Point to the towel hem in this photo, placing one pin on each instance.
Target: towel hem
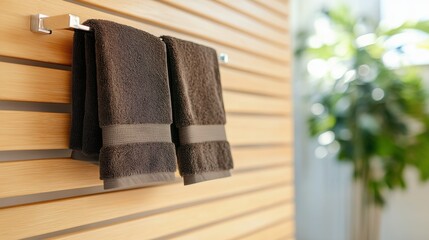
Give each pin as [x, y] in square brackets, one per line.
[205, 176]
[139, 180]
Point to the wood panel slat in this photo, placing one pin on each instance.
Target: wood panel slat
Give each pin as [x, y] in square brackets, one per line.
[263, 15]
[243, 129]
[161, 15]
[17, 41]
[247, 103]
[186, 218]
[210, 9]
[48, 175]
[275, 231]
[38, 84]
[33, 130]
[41, 218]
[28, 83]
[40, 130]
[275, 6]
[237, 227]
[242, 81]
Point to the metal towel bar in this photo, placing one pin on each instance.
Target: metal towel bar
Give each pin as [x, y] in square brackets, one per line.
[40, 23]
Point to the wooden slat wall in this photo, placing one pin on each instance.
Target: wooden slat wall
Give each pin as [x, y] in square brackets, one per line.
[60, 198]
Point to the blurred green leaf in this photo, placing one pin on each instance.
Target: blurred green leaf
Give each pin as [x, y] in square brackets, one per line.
[376, 113]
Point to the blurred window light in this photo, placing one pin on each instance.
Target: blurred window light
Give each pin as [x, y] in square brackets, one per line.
[321, 152]
[366, 40]
[326, 138]
[377, 94]
[317, 68]
[403, 50]
[395, 12]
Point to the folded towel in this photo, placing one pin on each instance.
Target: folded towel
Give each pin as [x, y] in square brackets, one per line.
[121, 104]
[199, 115]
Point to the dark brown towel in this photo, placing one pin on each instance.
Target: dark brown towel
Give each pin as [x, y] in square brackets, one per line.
[203, 151]
[121, 104]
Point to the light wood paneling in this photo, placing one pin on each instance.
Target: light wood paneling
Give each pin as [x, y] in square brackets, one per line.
[242, 130]
[185, 218]
[63, 198]
[249, 8]
[43, 218]
[74, 174]
[274, 231]
[33, 130]
[279, 8]
[235, 227]
[39, 84]
[17, 41]
[247, 103]
[37, 130]
[242, 81]
[162, 15]
[210, 9]
[27, 83]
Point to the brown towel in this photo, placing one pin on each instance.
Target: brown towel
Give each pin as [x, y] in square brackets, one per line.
[203, 151]
[121, 104]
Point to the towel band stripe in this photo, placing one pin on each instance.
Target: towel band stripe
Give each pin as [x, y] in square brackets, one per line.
[202, 133]
[135, 133]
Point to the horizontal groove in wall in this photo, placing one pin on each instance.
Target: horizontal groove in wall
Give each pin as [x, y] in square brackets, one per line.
[276, 223]
[116, 204]
[24, 130]
[62, 194]
[273, 38]
[24, 155]
[34, 63]
[35, 106]
[250, 114]
[153, 212]
[242, 7]
[237, 216]
[79, 192]
[273, 7]
[232, 108]
[22, 83]
[257, 94]
[137, 18]
[255, 146]
[273, 78]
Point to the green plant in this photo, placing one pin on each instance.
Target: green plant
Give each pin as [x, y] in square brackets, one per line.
[373, 115]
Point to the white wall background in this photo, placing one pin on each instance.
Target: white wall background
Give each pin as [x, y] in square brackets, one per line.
[407, 214]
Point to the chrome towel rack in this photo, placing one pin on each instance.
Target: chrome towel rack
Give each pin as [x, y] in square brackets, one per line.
[41, 23]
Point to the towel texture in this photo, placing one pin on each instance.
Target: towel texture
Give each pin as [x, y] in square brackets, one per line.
[121, 104]
[199, 115]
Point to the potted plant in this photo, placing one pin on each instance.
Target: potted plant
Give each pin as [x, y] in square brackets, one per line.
[374, 115]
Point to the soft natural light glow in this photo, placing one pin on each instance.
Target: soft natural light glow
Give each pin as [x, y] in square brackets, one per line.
[321, 152]
[366, 40]
[326, 138]
[377, 94]
[317, 67]
[350, 76]
[317, 109]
